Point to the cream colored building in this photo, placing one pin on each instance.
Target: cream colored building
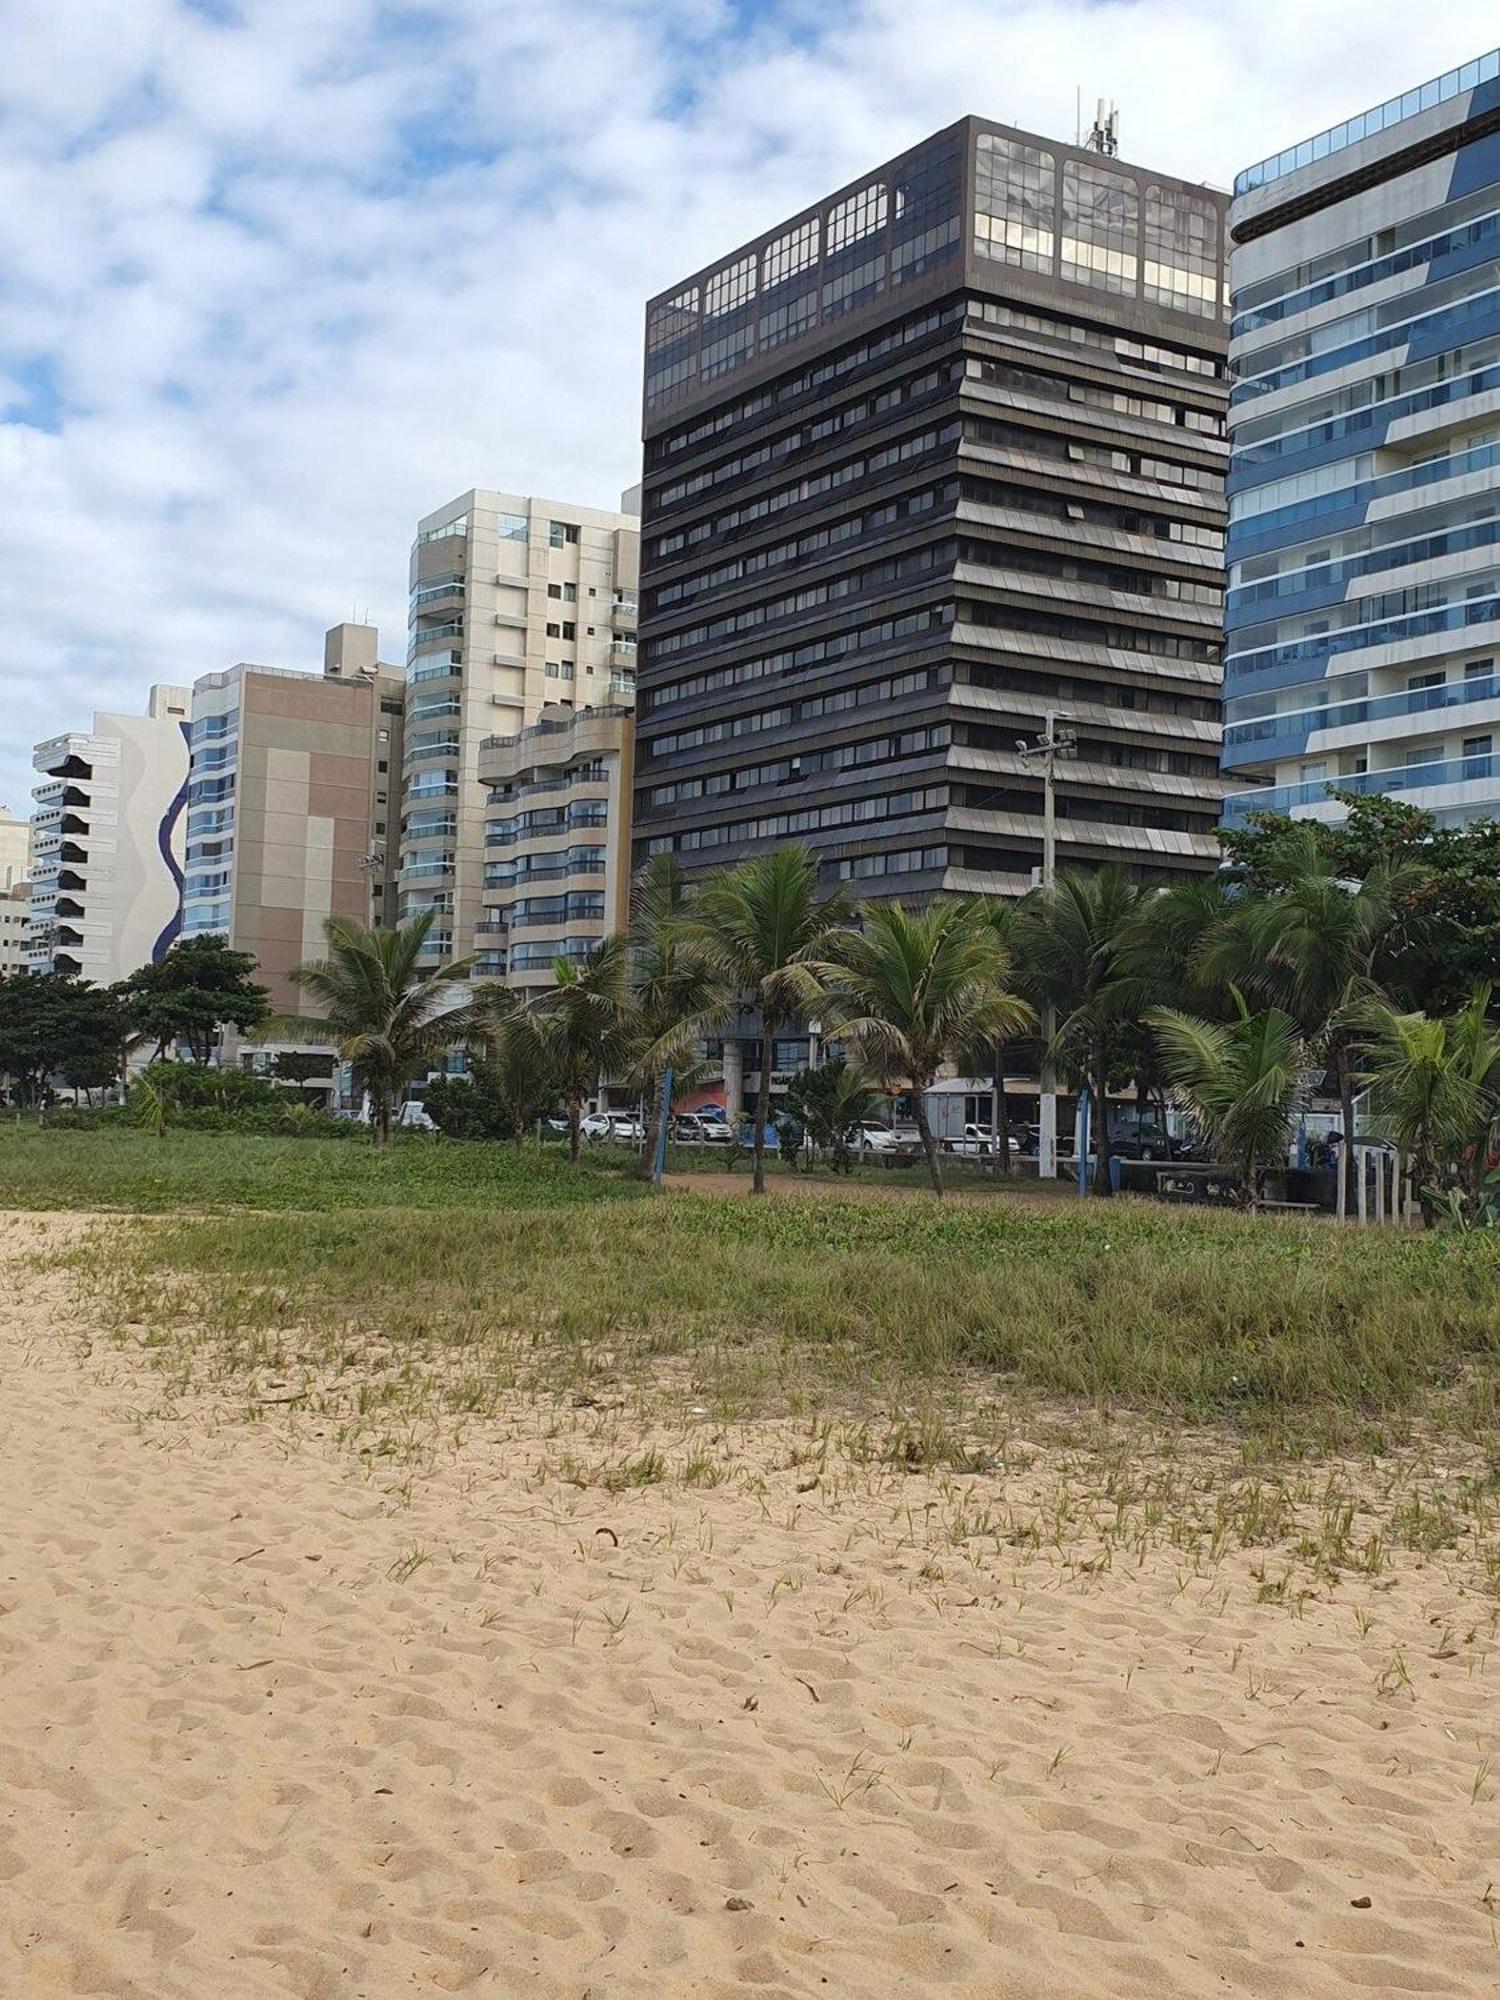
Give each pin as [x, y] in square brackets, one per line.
[107, 842]
[517, 604]
[15, 891]
[556, 841]
[15, 844]
[291, 789]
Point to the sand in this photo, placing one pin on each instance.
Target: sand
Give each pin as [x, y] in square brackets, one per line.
[275, 1721]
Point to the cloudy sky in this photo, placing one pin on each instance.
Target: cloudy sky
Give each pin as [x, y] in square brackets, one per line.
[278, 276]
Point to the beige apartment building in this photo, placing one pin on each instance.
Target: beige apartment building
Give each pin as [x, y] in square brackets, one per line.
[518, 604]
[15, 891]
[556, 841]
[289, 800]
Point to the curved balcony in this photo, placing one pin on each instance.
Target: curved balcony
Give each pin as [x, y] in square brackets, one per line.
[1397, 778]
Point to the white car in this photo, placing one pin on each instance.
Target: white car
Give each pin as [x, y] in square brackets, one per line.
[979, 1139]
[625, 1130]
[596, 1125]
[413, 1118]
[876, 1139]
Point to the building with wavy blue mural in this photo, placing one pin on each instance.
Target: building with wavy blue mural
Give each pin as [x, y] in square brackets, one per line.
[1363, 616]
[107, 842]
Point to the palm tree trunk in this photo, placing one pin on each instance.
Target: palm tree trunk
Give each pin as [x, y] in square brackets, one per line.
[762, 1102]
[1346, 1114]
[575, 1121]
[380, 1115]
[648, 1129]
[924, 1130]
[1102, 1183]
[1002, 1123]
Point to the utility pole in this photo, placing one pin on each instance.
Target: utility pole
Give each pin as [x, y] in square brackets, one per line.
[1045, 751]
[371, 865]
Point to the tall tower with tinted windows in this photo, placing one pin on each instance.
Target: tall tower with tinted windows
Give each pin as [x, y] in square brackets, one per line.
[936, 457]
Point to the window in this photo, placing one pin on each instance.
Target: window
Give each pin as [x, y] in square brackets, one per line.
[1478, 746]
[567, 592]
[510, 527]
[1014, 193]
[796, 251]
[1099, 227]
[729, 288]
[1479, 670]
[1432, 680]
[561, 534]
[1182, 253]
[856, 216]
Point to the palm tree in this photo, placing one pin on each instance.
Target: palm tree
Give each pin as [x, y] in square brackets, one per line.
[1435, 1091]
[754, 927]
[514, 1064]
[385, 1014]
[832, 1102]
[910, 990]
[1315, 947]
[1072, 943]
[1240, 1080]
[582, 1025]
[675, 998]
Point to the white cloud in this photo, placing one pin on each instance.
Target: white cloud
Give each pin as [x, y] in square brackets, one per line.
[297, 271]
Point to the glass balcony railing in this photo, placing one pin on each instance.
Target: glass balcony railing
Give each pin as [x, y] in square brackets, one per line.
[434, 635]
[445, 669]
[1398, 778]
[1453, 83]
[1294, 727]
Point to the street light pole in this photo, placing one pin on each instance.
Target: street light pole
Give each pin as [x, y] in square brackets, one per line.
[1045, 751]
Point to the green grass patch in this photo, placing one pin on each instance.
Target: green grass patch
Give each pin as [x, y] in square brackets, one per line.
[802, 1304]
[117, 1168]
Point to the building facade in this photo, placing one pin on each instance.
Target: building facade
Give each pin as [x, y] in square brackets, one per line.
[15, 848]
[289, 805]
[517, 603]
[1364, 606]
[935, 457]
[556, 841]
[15, 917]
[107, 842]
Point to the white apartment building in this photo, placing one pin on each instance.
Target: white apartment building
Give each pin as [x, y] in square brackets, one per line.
[107, 841]
[517, 604]
[15, 892]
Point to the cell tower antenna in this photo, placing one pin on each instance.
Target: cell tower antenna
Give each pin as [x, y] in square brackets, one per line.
[1105, 137]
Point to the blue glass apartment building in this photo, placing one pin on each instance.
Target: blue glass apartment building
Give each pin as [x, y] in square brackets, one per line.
[1363, 614]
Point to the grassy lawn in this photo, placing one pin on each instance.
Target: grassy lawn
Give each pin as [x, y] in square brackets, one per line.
[117, 1168]
[447, 1277]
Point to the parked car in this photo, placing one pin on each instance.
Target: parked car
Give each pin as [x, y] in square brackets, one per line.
[594, 1125]
[413, 1118]
[625, 1129]
[876, 1139]
[689, 1129]
[978, 1141]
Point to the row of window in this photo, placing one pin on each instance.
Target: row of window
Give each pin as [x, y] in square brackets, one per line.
[544, 820]
[1410, 246]
[904, 861]
[854, 527]
[1134, 353]
[1079, 569]
[1365, 405]
[1317, 573]
[1063, 389]
[842, 757]
[731, 470]
[1376, 330]
[1056, 445]
[791, 387]
[931, 620]
[1089, 631]
[545, 867]
[890, 571]
[807, 819]
[1050, 505]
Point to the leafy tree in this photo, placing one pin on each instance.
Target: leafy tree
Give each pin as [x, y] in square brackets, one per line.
[1073, 943]
[582, 1026]
[832, 1103]
[1435, 1092]
[1318, 946]
[675, 998]
[1449, 937]
[753, 928]
[199, 987]
[55, 1024]
[508, 1086]
[1240, 1080]
[381, 1010]
[911, 990]
[299, 1066]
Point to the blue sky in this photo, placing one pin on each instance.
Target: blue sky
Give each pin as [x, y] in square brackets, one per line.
[278, 276]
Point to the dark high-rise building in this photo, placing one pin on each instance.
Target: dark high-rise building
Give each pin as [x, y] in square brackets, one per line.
[939, 455]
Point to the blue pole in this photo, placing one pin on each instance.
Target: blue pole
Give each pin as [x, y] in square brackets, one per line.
[659, 1168]
[1081, 1140]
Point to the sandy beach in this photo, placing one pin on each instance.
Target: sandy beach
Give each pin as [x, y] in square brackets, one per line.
[278, 1720]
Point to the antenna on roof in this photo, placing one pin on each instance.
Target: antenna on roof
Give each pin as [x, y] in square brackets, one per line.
[1105, 137]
